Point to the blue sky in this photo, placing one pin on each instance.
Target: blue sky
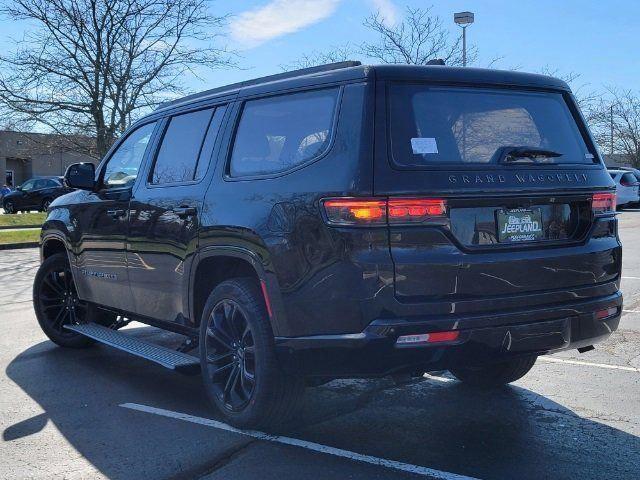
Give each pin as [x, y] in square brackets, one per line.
[595, 39]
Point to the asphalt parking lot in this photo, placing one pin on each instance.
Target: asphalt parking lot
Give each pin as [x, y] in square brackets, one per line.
[99, 413]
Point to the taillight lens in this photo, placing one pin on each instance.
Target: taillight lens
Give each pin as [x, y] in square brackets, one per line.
[415, 210]
[603, 203]
[352, 211]
[374, 211]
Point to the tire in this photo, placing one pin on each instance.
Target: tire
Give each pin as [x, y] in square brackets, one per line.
[45, 204]
[240, 371]
[495, 374]
[9, 207]
[52, 286]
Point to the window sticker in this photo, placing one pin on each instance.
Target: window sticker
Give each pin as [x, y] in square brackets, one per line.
[421, 146]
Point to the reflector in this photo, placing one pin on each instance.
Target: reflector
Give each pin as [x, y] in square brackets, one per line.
[434, 337]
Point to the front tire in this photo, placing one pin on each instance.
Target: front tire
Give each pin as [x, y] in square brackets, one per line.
[495, 374]
[56, 303]
[240, 371]
[9, 207]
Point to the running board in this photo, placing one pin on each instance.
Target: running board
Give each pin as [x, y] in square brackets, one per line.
[172, 359]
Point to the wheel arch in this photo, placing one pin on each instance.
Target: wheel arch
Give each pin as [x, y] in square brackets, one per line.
[215, 264]
[53, 243]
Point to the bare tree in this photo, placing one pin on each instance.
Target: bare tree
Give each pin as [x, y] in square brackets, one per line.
[615, 121]
[585, 97]
[90, 66]
[416, 39]
[337, 53]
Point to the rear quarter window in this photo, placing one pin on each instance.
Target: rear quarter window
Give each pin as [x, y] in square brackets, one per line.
[454, 125]
[279, 133]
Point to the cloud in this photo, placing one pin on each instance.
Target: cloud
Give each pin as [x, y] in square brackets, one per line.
[387, 10]
[280, 17]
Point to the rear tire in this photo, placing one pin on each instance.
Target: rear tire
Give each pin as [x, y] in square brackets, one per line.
[56, 303]
[240, 371]
[495, 374]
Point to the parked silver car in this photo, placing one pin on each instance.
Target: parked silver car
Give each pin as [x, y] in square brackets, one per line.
[626, 187]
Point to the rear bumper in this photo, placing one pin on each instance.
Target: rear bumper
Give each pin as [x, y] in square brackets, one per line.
[373, 352]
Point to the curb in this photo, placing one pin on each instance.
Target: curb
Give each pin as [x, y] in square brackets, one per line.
[13, 246]
[18, 227]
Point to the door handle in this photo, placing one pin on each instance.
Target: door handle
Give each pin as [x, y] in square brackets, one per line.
[185, 211]
[117, 213]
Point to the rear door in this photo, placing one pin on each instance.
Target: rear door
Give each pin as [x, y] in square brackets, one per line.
[165, 212]
[512, 223]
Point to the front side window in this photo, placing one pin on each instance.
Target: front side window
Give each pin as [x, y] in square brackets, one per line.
[181, 147]
[278, 133]
[27, 186]
[439, 125]
[123, 166]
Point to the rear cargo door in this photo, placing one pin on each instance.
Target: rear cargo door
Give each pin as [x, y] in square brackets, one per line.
[517, 174]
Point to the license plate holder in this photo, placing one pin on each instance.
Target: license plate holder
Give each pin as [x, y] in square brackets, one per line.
[518, 225]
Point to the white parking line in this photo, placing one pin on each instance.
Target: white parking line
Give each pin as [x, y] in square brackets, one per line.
[631, 311]
[316, 447]
[631, 278]
[589, 364]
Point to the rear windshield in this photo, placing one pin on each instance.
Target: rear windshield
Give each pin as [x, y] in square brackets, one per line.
[438, 125]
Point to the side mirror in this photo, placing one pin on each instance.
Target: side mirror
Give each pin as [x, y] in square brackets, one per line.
[81, 175]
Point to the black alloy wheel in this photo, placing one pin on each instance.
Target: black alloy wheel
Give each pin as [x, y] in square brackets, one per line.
[240, 370]
[9, 207]
[230, 355]
[56, 302]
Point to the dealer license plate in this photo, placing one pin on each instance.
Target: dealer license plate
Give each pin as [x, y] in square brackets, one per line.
[520, 225]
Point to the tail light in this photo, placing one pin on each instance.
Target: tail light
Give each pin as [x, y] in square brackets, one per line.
[354, 211]
[375, 211]
[415, 210]
[603, 203]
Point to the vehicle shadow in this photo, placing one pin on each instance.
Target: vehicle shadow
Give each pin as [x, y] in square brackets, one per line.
[509, 433]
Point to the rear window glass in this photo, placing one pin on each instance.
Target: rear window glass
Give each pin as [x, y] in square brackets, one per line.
[435, 125]
[279, 133]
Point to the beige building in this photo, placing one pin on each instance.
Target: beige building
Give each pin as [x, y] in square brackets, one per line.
[27, 155]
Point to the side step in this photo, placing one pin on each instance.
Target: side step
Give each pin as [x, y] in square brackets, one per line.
[172, 359]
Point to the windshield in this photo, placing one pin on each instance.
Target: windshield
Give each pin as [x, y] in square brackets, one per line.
[435, 125]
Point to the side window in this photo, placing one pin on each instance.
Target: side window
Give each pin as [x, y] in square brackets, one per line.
[183, 144]
[123, 166]
[27, 186]
[278, 133]
[40, 184]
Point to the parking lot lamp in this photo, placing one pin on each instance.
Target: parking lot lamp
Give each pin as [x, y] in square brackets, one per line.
[463, 19]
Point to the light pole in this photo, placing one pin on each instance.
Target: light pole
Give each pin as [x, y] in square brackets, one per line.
[463, 19]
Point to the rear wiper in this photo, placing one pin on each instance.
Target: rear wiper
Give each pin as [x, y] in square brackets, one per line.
[525, 154]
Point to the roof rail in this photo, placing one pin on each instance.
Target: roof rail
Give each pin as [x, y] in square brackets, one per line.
[270, 78]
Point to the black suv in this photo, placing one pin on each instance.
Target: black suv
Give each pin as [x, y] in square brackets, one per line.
[341, 221]
[34, 194]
